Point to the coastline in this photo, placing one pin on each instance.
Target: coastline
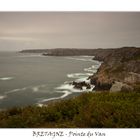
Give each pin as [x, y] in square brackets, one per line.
[120, 71]
[78, 83]
[118, 65]
[101, 109]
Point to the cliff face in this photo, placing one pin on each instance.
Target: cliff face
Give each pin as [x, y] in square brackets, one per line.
[121, 65]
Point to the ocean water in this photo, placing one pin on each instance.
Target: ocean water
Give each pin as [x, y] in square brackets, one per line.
[27, 79]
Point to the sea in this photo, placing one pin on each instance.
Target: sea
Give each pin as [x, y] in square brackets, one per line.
[34, 79]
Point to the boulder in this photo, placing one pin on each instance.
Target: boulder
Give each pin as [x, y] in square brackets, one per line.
[119, 86]
[80, 85]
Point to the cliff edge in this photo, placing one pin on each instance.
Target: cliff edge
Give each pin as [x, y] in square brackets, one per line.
[120, 70]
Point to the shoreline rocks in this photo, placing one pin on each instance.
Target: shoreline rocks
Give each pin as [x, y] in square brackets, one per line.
[119, 86]
[81, 85]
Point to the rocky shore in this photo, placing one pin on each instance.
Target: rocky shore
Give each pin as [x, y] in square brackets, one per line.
[120, 70]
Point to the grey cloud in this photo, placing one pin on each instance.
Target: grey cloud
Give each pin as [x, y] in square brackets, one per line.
[23, 30]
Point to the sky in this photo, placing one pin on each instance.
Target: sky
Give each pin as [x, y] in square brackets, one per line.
[46, 30]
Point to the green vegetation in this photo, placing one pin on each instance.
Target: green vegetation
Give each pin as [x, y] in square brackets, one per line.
[89, 110]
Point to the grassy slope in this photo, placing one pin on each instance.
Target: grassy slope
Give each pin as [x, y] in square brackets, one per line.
[107, 110]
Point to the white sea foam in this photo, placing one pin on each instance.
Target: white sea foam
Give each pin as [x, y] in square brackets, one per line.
[78, 75]
[16, 90]
[38, 88]
[66, 93]
[83, 79]
[92, 69]
[68, 88]
[6, 78]
[65, 86]
[2, 97]
[35, 89]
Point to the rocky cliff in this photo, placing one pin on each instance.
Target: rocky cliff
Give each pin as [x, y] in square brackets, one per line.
[120, 70]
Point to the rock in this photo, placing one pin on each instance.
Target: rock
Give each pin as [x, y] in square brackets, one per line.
[123, 65]
[132, 78]
[45, 54]
[93, 80]
[119, 86]
[80, 85]
[102, 86]
[88, 86]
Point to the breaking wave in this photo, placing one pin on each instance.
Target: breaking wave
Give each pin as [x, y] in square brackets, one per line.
[6, 78]
[33, 88]
[2, 97]
[68, 88]
[38, 88]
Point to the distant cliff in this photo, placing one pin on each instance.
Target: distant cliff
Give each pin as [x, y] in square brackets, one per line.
[34, 51]
[120, 70]
[100, 53]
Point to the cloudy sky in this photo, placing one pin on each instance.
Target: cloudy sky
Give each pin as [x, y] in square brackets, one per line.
[37, 30]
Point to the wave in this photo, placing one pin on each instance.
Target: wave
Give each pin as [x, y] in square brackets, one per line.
[46, 100]
[90, 70]
[38, 88]
[93, 68]
[6, 78]
[33, 88]
[2, 97]
[83, 79]
[68, 88]
[78, 75]
[16, 90]
[66, 93]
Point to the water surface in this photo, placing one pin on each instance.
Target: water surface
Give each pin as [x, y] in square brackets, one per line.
[27, 79]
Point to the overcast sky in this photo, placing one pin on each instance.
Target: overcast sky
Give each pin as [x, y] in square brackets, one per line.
[37, 30]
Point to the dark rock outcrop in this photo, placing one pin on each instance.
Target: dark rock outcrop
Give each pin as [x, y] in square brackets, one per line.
[80, 85]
